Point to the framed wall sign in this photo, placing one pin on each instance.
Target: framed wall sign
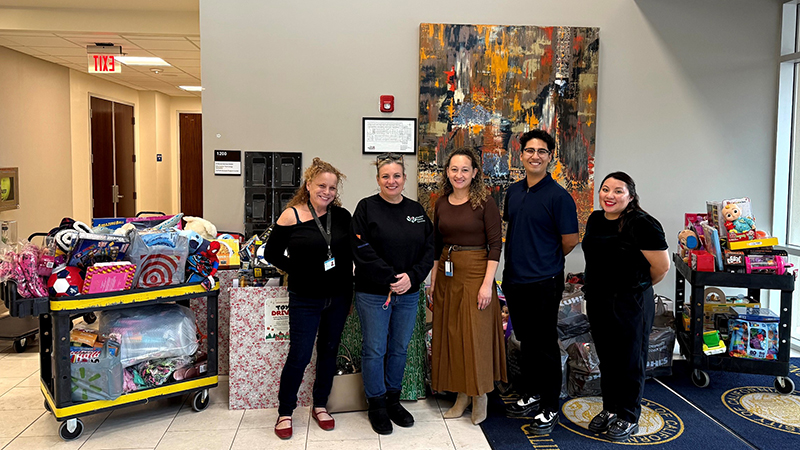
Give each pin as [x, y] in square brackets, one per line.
[228, 162]
[9, 188]
[389, 134]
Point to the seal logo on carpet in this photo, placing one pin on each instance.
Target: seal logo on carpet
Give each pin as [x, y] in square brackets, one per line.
[764, 406]
[657, 423]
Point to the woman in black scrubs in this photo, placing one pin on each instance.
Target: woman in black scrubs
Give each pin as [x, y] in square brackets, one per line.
[626, 254]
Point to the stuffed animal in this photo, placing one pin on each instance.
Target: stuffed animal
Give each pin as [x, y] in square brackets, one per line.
[196, 243]
[201, 226]
[735, 221]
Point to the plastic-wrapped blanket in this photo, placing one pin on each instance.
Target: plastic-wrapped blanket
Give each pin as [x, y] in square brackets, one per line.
[150, 332]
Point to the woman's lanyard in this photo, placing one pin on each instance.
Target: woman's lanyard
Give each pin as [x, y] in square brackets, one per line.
[330, 263]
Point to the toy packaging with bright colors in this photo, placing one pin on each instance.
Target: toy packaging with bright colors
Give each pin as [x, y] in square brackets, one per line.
[755, 340]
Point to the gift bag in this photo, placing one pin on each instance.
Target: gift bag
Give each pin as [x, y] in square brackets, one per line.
[96, 373]
[583, 378]
[160, 258]
[662, 341]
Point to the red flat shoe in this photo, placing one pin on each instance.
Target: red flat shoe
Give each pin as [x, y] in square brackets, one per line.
[325, 424]
[283, 433]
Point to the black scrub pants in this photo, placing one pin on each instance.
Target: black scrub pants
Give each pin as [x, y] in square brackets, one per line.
[621, 324]
[533, 309]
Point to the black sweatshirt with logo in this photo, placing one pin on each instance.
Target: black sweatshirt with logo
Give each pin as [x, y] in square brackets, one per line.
[390, 239]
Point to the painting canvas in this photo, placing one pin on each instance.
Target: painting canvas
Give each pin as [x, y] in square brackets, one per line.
[482, 86]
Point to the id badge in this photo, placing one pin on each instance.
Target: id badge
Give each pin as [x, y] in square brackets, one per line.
[330, 264]
[448, 268]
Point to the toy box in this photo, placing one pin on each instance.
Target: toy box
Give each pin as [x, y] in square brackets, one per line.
[228, 254]
[733, 219]
[753, 339]
[712, 309]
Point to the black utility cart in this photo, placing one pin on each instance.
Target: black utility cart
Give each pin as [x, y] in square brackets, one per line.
[55, 321]
[691, 341]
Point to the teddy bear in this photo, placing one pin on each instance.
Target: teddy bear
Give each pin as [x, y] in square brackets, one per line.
[201, 226]
[735, 221]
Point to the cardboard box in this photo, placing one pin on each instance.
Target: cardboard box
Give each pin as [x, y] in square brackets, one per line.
[755, 243]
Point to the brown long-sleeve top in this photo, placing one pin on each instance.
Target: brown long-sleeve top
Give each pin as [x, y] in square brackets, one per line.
[462, 225]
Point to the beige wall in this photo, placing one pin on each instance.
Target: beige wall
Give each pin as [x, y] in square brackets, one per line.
[35, 136]
[164, 180]
[45, 131]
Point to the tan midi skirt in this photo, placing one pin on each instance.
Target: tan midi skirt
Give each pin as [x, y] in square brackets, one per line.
[468, 347]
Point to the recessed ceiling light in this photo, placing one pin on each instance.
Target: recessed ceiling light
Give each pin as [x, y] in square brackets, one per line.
[192, 88]
[142, 61]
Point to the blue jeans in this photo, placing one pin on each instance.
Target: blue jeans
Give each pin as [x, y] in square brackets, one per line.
[310, 318]
[387, 333]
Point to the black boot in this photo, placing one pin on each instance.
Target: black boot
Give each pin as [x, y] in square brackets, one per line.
[397, 413]
[378, 417]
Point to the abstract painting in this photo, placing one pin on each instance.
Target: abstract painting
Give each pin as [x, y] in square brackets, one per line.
[482, 86]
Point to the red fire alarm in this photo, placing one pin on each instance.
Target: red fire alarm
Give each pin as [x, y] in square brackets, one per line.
[387, 103]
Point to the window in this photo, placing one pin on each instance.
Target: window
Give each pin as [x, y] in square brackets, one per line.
[786, 215]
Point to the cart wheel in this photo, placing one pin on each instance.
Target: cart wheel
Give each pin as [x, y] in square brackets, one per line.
[47, 406]
[64, 429]
[700, 378]
[90, 317]
[20, 345]
[200, 400]
[784, 385]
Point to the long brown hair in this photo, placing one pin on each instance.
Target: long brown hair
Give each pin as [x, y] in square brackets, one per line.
[478, 193]
[318, 166]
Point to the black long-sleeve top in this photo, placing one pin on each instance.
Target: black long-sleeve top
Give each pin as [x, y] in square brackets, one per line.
[389, 239]
[307, 253]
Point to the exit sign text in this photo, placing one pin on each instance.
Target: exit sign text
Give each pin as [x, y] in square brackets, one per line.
[104, 64]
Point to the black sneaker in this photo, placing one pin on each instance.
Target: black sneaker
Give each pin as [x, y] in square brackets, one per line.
[544, 422]
[525, 406]
[621, 430]
[602, 421]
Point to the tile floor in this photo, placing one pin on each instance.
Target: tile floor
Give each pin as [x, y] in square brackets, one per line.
[171, 423]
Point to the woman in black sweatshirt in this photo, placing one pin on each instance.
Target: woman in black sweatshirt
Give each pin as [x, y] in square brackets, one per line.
[393, 252]
[311, 242]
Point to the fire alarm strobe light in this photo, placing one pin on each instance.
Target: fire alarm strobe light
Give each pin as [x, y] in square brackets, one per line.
[387, 103]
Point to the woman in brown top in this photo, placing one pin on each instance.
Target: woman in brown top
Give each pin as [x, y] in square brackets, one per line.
[468, 346]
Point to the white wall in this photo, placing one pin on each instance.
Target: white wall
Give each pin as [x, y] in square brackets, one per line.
[686, 99]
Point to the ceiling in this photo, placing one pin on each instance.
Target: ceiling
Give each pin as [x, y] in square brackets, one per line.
[68, 48]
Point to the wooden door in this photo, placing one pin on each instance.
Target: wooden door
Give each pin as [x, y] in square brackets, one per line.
[102, 157]
[191, 147]
[125, 160]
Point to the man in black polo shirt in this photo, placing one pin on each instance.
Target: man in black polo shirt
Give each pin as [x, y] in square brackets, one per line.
[542, 230]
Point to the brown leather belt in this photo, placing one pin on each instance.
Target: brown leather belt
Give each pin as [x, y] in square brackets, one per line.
[463, 248]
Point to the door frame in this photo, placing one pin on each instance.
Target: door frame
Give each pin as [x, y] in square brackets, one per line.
[177, 168]
[133, 105]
